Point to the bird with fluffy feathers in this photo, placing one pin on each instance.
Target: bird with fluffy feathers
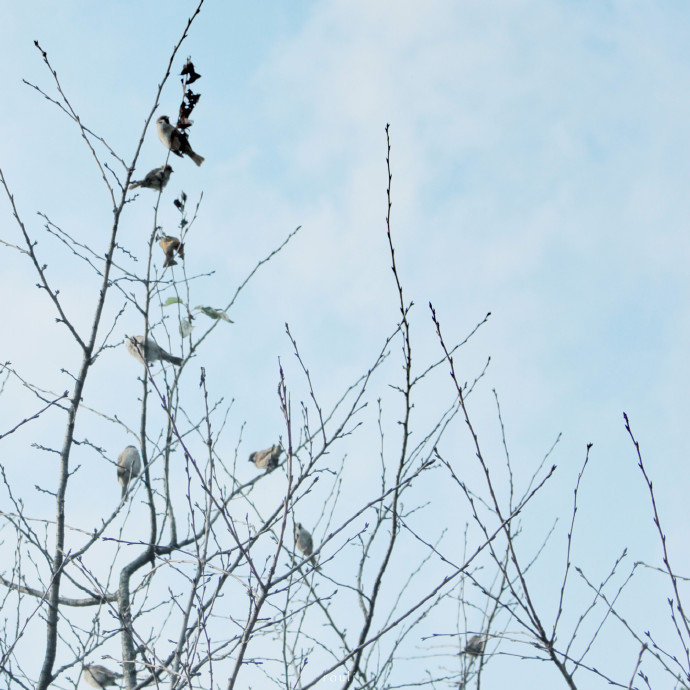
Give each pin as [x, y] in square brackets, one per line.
[128, 466]
[99, 676]
[138, 347]
[155, 179]
[266, 459]
[175, 140]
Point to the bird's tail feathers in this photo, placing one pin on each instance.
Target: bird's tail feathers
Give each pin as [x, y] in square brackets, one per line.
[196, 158]
[135, 183]
[172, 359]
[123, 478]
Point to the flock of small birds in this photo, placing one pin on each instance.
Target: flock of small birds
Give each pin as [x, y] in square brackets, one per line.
[176, 140]
[147, 351]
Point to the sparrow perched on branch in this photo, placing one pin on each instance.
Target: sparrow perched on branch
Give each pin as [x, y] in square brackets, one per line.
[175, 140]
[170, 245]
[266, 459]
[304, 542]
[155, 179]
[152, 351]
[128, 466]
[99, 676]
[475, 645]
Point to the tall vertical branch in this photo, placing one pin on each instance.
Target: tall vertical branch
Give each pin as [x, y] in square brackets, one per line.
[407, 391]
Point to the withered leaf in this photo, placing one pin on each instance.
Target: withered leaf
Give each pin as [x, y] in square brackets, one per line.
[189, 71]
[192, 98]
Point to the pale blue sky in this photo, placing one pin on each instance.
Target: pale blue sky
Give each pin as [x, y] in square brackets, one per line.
[540, 172]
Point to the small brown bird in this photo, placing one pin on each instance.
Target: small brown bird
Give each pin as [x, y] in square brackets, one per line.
[152, 351]
[155, 179]
[170, 245]
[475, 645]
[128, 466]
[266, 459]
[99, 676]
[175, 140]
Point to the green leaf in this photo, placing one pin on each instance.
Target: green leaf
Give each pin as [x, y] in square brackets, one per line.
[172, 300]
[214, 313]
